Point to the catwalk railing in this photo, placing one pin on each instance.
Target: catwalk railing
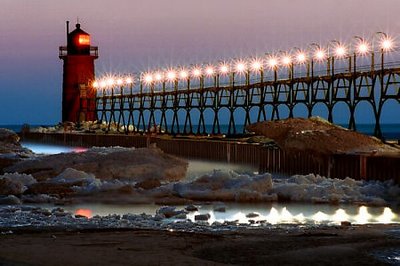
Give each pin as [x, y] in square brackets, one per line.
[226, 104]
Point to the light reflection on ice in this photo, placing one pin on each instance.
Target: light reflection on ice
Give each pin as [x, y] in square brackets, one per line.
[340, 216]
[387, 216]
[363, 216]
[320, 217]
[84, 212]
[276, 214]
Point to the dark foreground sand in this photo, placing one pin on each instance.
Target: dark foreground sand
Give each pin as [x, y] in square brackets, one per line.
[322, 246]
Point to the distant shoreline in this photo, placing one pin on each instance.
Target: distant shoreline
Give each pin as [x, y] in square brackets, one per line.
[390, 131]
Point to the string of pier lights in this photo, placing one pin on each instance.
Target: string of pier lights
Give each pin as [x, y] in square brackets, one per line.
[334, 49]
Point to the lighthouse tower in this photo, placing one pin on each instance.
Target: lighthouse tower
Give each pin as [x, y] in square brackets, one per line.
[78, 95]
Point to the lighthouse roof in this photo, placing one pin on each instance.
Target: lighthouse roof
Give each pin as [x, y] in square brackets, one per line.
[78, 30]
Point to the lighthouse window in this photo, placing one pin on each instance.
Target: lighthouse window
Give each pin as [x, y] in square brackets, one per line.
[84, 40]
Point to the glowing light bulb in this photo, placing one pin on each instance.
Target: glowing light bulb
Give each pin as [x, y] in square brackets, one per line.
[183, 74]
[120, 82]
[171, 75]
[148, 78]
[240, 67]
[272, 62]
[158, 76]
[110, 81]
[320, 54]
[340, 51]
[95, 84]
[129, 80]
[210, 71]
[256, 65]
[301, 57]
[224, 69]
[103, 84]
[196, 72]
[387, 44]
[363, 48]
[286, 60]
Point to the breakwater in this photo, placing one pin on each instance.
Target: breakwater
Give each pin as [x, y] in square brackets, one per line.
[266, 158]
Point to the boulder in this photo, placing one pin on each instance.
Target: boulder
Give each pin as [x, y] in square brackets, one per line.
[11, 187]
[202, 217]
[10, 200]
[50, 189]
[11, 150]
[108, 163]
[252, 215]
[167, 211]
[220, 208]
[191, 208]
[148, 184]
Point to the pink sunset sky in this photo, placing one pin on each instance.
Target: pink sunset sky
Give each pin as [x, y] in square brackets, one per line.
[137, 35]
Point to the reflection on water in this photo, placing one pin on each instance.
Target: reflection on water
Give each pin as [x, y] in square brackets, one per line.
[50, 148]
[276, 213]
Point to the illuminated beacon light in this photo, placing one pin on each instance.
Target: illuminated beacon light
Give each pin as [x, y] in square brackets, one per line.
[272, 62]
[183, 74]
[196, 72]
[110, 82]
[158, 76]
[301, 57]
[340, 51]
[171, 75]
[95, 84]
[120, 82]
[240, 67]
[363, 48]
[103, 84]
[129, 80]
[256, 65]
[286, 60]
[148, 78]
[84, 40]
[386, 44]
[320, 54]
[210, 71]
[224, 69]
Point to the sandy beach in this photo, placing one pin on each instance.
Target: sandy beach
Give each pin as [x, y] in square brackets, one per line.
[354, 245]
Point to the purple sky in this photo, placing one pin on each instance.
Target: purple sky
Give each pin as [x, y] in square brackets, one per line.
[137, 35]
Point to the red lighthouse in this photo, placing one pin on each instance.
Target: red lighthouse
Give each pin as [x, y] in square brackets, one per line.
[78, 96]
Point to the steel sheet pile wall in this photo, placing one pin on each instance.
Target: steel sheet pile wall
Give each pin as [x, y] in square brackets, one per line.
[265, 158]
